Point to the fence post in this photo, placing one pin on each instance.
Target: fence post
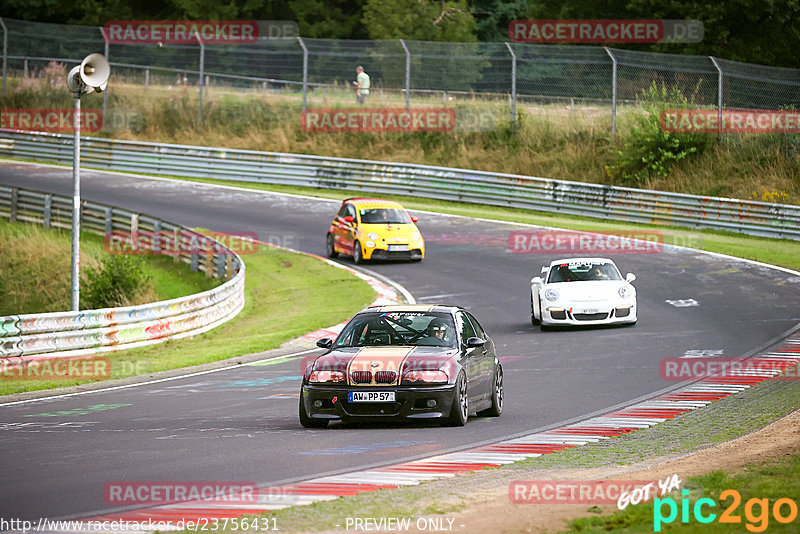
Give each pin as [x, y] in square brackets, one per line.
[5, 55]
[613, 91]
[408, 74]
[200, 79]
[513, 84]
[305, 70]
[719, 97]
[105, 51]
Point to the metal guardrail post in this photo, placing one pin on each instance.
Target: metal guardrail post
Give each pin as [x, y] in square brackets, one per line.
[200, 79]
[613, 91]
[48, 203]
[408, 75]
[513, 85]
[13, 206]
[305, 71]
[108, 221]
[5, 56]
[719, 97]
[105, 53]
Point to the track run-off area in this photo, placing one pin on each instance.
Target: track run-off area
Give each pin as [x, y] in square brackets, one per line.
[241, 424]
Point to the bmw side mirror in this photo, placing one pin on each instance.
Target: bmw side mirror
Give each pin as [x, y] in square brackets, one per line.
[630, 277]
[349, 219]
[474, 342]
[325, 343]
[414, 219]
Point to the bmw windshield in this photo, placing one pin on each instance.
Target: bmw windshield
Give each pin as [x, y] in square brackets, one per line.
[398, 328]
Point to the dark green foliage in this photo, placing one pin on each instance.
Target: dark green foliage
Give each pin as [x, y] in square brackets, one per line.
[115, 283]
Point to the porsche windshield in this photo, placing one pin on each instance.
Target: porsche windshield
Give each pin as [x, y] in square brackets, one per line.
[398, 328]
[582, 272]
[384, 216]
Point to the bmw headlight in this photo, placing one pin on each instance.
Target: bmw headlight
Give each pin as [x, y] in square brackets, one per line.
[373, 236]
[416, 236]
[551, 295]
[370, 244]
[625, 291]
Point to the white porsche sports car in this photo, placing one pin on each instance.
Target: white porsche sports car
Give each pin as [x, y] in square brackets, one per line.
[582, 291]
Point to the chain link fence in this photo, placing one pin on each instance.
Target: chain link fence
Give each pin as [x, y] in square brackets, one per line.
[411, 73]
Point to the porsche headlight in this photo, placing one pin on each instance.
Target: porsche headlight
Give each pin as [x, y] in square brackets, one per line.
[373, 236]
[551, 295]
[625, 291]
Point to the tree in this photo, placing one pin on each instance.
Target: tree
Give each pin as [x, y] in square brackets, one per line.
[421, 20]
[493, 16]
[332, 19]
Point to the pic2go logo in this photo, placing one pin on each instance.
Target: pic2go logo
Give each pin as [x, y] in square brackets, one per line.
[757, 522]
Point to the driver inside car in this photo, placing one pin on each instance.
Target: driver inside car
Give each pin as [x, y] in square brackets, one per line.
[438, 333]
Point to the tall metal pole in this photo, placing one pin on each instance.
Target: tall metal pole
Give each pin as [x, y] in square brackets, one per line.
[305, 70]
[719, 97]
[76, 204]
[5, 54]
[513, 85]
[105, 53]
[613, 91]
[408, 74]
[200, 80]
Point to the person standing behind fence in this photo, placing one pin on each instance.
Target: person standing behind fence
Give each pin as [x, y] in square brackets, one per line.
[362, 85]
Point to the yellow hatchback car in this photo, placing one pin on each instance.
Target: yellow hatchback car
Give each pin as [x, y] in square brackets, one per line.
[374, 229]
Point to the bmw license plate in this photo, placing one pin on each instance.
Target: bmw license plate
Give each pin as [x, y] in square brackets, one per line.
[370, 396]
[398, 248]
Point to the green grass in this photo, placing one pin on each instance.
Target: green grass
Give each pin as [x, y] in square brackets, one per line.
[286, 296]
[35, 270]
[772, 481]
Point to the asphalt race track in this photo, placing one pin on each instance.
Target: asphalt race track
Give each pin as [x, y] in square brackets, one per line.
[58, 454]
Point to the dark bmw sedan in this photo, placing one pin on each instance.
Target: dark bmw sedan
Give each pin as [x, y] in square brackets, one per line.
[404, 362]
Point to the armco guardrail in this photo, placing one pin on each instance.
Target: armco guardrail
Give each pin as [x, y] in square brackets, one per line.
[572, 198]
[47, 335]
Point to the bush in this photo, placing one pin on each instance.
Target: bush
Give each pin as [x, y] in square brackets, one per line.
[647, 151]
[116, 283]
